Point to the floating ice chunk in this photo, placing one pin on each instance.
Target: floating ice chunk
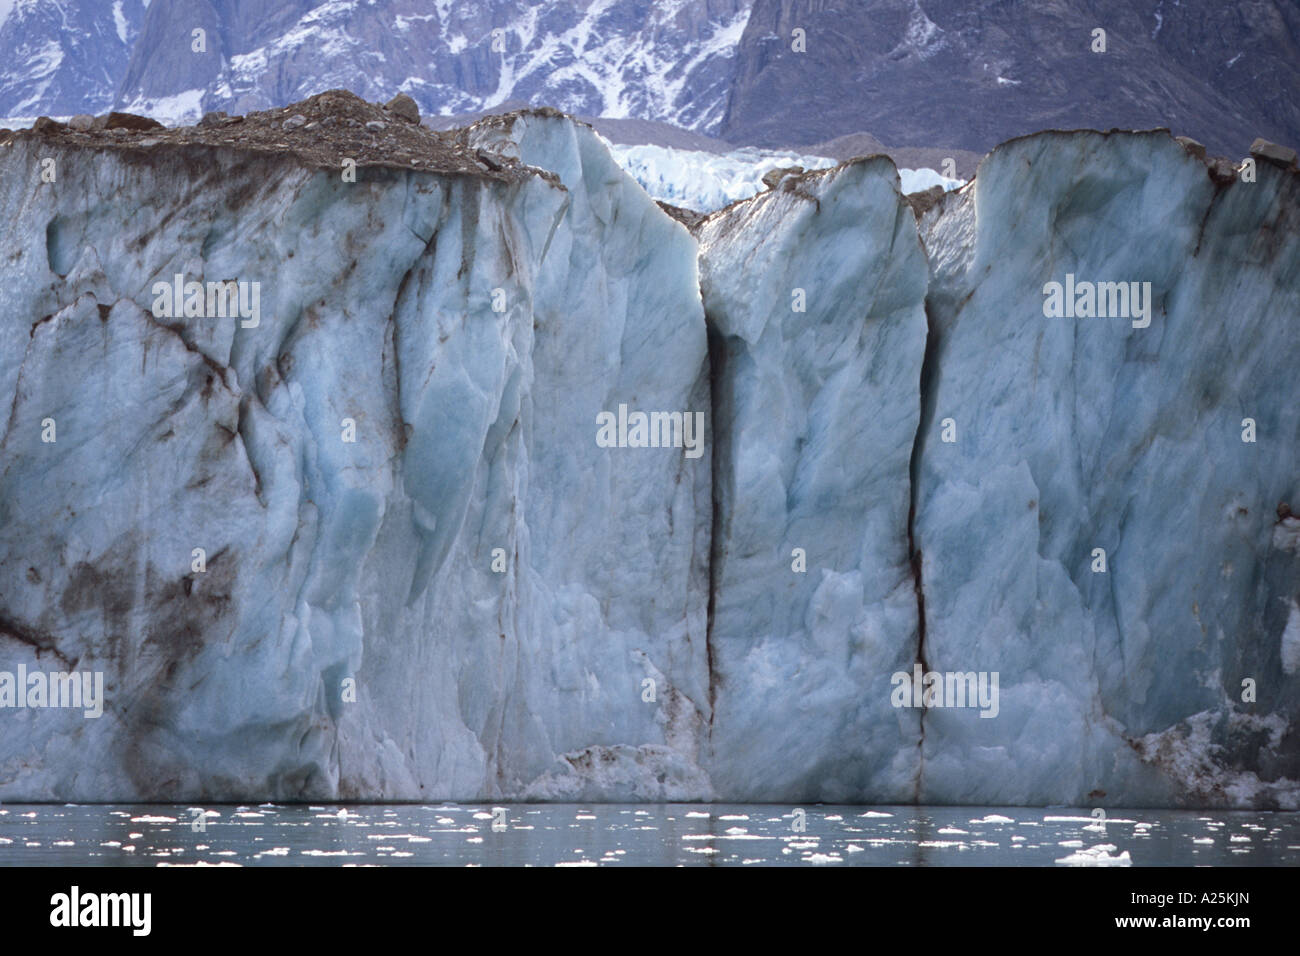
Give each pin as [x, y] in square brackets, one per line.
[1099, 855]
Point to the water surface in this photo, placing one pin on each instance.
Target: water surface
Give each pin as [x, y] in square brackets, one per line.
[651, 834]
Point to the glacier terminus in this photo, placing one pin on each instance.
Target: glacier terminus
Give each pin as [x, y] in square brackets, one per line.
[404, 537]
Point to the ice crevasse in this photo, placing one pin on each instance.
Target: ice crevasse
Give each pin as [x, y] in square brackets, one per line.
[905, 464]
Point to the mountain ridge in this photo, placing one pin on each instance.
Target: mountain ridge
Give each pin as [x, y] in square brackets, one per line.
[914, 73]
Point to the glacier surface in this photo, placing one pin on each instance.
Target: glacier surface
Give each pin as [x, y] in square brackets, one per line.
[703, 181]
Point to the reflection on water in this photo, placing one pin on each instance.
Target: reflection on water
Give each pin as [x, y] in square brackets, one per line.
[654, 835]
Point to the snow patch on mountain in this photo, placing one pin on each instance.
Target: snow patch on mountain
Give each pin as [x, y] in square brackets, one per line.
[183, 109]
[42, 64]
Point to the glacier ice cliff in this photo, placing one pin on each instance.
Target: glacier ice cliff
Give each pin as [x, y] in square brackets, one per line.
[816, 303]
[1091, 433]
[372, 560]
[422, 578]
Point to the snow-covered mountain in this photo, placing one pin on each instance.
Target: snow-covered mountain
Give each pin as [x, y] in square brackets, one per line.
[618, 58]
[401, 531]
[958, 74]
[66, 57]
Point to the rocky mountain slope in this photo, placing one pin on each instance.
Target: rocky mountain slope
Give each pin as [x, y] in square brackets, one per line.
[65, 58]
[625, 58]
[971, 74]
[951, 74]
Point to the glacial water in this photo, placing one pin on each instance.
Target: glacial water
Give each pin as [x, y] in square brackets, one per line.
[631, 835]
